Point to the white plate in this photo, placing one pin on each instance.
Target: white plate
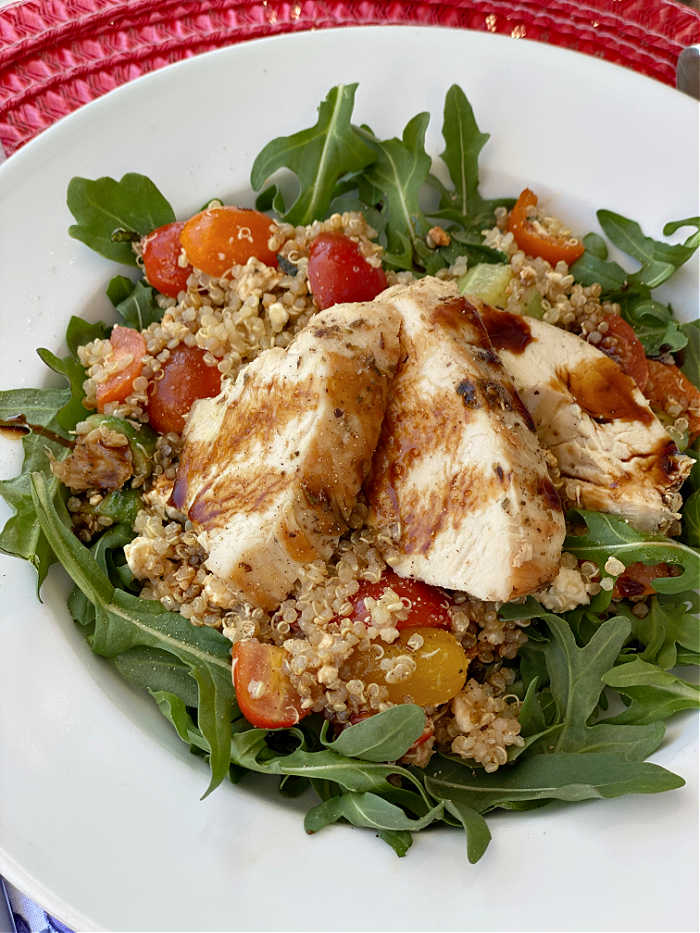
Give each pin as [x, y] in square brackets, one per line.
[100, 817]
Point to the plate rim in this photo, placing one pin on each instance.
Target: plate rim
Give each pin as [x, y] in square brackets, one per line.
[9, 867]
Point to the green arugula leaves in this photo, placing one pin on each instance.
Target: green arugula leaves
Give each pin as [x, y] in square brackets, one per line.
[611, 536]
[653, 322]
[50, 415]
[653, 694]
[341, 166]
[111, 213]
[123, 622]
[135, 302]
[22, 535]
[318, 156]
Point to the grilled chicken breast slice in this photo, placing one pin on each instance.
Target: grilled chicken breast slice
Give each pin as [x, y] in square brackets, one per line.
[272, 466]
[459, 482]
[613, 453]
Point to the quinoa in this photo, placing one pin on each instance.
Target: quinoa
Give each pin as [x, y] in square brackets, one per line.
[565, 302]
[481, 723]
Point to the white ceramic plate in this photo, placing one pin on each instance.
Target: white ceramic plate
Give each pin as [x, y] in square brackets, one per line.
[100, 817]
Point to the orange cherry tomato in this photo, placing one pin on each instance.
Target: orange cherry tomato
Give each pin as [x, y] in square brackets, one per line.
[534, 243]
[128, 351]
[264, 691]
[440, 666]
[627, 351]
[186, 377]
[669, 384]
[636, 579]
[338, 272]
[161, 250]
[429, 605]
[219, 238]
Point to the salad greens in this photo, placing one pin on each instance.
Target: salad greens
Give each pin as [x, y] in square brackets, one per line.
[573, 670]
[653, 321]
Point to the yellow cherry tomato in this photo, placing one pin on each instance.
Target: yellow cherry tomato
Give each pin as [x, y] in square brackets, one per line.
[440, 666]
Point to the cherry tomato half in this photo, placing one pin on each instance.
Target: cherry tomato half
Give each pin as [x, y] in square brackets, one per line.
[128, 348]
[186, 377]
[530, 241]
[219, 238]
[161, 250]
[338, 272]
[429, 605]
[440, 671]
[627, 351]
[264, 692]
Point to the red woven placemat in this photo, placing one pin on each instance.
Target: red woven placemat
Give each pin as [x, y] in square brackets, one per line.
[56, 56]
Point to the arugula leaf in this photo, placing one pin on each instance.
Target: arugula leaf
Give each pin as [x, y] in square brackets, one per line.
[671, 621]
[74, 410]
[135, 302]
[691, 355]
[318, 156]
[400, 840]
[393, 182]
[123, 621]
[80, 332]
[156, 670]
[39, 406]
[655, 694]
[385, 736]
[463, 144]
[561, 776]
[576, 678]
[105, 206]
[658, 260]
[22, 535]
[691, 519]
[368, 810]
[476, 831]
[653, 323]
[592, 267]
[610, 536]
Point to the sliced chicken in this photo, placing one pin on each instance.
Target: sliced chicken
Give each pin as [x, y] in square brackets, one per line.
[613, 453]
[271, 467]
[459, 482]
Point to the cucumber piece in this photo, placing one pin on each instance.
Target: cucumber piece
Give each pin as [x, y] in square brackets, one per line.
[487, 281]
[533, 305]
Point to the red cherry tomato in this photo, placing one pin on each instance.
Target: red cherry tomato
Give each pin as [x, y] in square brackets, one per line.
[161, 250]
[531, 241]
[338, 272]
[186, 377]
[429, 605]
[627, 351]
[264, 691]
[128, 348]
[219, 238]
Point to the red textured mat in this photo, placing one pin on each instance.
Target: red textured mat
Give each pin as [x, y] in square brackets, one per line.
[56, 56]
